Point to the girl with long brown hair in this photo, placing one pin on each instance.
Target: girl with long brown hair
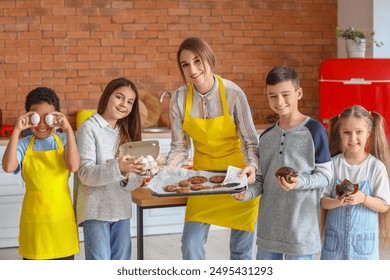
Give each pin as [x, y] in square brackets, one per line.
[104, 180]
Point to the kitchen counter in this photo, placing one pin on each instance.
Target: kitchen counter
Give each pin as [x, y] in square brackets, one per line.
[4, 141]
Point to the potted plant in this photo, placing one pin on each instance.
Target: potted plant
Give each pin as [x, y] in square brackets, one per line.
[356, 40]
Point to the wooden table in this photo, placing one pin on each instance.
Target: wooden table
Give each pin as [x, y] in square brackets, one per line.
[144, 199]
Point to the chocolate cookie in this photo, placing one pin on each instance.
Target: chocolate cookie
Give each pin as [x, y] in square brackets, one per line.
[196, 187]
[217, 179]
[199, 187]
[197, 179]
[170, 188]
[217, 186]
[346, 188]
[184, 183]
[183, 190]
[287, 173]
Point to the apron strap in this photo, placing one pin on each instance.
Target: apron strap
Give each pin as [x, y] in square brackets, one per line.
[221, 92]
[189, 101]
[223, 95]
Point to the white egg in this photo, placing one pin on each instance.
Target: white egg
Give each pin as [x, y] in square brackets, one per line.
[153, 171]
[143, 161]
[49, 119]
[149, 158]
[35, 118]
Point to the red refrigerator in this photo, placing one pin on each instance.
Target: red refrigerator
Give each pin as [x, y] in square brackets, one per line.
[344, 82]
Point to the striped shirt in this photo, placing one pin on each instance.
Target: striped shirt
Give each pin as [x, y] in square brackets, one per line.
[209, 106]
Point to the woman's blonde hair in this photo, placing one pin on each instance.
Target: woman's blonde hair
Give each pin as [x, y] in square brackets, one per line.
[377, 145]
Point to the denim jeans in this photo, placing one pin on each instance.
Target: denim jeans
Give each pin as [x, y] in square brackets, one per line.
[265, 255]
[195, 237]
[107, 240]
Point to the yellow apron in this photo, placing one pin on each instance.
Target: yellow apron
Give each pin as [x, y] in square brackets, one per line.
[47, 224]
[217, 145]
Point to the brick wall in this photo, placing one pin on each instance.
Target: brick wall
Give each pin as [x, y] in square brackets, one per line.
[77, 46]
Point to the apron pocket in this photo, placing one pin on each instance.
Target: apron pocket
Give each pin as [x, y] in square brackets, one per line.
[331, 240]
[364, 243]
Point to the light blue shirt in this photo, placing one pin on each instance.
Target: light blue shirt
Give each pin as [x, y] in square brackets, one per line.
[46, 144]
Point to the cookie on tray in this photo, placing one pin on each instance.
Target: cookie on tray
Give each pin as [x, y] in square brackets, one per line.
[197, 179]
[218, 186]
[183, 190]
[217, 179]
[170, 188]
[184, 183]
[200, 187]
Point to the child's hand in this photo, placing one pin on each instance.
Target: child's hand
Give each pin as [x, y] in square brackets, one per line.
[341, 200]
[287, 186]
[249, 171]
[129, 164]
[356, 198]
[240, 196]
[61, 121]
[24, 122]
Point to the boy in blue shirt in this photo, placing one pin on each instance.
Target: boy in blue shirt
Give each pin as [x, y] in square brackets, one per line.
[48, 228]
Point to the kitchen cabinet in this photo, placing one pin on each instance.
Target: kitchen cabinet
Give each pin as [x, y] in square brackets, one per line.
[11, 197]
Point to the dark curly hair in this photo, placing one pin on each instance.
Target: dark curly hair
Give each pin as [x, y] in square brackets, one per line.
[40, 95]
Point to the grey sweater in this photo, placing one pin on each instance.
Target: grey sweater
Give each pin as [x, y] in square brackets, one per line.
[98, 191]
[288, 222]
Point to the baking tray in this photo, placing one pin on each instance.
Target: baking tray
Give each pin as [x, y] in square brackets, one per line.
[172, 176]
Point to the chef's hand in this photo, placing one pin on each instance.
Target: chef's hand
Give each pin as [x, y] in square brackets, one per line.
[287, 186]
[129, 164]
[240, 196]
[250, 172]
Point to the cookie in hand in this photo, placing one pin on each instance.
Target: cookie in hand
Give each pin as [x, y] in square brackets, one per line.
[287, 173]
[346, 188]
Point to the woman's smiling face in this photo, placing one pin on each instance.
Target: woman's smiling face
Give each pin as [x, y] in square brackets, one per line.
[195, 71]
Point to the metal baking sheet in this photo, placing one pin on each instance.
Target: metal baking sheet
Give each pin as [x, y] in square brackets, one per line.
[172, 176]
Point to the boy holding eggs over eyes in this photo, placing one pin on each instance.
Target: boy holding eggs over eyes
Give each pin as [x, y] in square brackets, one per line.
[48, 228]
